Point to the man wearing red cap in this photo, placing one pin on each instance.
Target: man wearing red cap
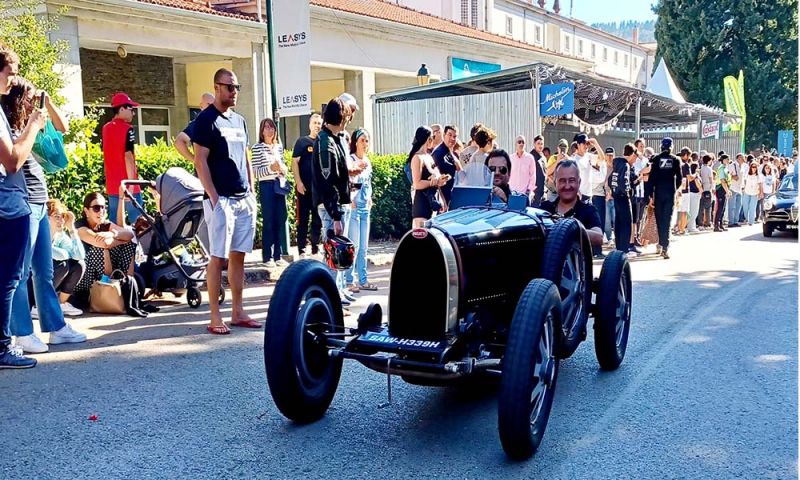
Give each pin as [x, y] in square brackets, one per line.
[118, 159]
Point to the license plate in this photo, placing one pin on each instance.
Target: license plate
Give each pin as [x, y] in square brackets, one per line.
[791, 227]
[396, 343]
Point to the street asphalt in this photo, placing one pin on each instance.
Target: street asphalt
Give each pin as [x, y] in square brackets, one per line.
[708, 389]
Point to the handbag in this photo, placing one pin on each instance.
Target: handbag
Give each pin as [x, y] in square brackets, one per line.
[434, 200]
[106, 296]
[282, 186]
[48, 149]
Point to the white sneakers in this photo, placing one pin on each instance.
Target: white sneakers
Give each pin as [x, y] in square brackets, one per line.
[31, 344]
[68, 309]
[66, 335]
[34, 313]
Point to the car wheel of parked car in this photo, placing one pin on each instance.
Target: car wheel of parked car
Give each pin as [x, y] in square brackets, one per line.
[613, 320]
[767, 229]
[530, 369]
[564, 263]
[305, 306]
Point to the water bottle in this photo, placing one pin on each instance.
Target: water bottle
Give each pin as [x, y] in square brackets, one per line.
[105, 279]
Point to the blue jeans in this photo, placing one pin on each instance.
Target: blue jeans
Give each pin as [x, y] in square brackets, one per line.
[734, 208]
[12, 258]
[359, 235]
[610, 217]
[39, 260]
[327, 224]
[273, 225]
[131, 211]
[749, 205]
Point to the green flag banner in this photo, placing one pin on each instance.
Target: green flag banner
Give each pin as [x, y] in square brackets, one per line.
[734, 101]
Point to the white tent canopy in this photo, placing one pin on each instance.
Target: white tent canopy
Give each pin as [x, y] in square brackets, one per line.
[662, 84]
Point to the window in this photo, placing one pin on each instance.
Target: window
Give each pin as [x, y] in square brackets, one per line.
[509, 25]
[616, 58]
[537, 34]
[566, 44]
[580, 47]
[605, 54]
[474, 16]
[625, 60]
[149, 123]
[594, 51]
[465, 12]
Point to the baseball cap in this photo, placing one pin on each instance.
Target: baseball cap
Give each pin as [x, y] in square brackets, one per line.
[119, 99]
[666, 143]
[563, 144]
[610, 151]
[581, 138]
[349, 100]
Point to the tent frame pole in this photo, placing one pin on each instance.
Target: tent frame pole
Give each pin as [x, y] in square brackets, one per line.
[537, 119]
[638, 122]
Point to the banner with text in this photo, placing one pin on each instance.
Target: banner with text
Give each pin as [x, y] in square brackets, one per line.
[710, 129]
[556, 99]
[291, 46]
[785, 142]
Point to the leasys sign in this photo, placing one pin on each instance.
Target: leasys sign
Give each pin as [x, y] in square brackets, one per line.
[291, 37]
[785, 142]
[462, 68]
[710, 129]
[556, 99]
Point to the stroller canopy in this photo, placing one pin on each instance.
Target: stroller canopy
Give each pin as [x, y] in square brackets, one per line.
[177, 186]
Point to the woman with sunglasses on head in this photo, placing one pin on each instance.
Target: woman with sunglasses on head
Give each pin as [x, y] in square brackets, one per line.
[270, 170]
[20, 103]
[425, 178]
[361, 196]
[108, 246]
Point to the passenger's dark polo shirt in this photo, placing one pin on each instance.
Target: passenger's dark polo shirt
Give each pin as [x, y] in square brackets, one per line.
[583, 212]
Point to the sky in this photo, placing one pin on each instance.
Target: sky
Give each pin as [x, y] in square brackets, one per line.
[596, 11]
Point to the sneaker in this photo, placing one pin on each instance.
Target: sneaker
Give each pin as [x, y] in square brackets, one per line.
[600, 255]
[66, 335]
[692, 231]
[31, 344]
[34, 313]
[68, 309]
[658, 249]
[631, 254]
[281, 263]
[345, 301]
[12, 358]
[348, 296]
[270, 264]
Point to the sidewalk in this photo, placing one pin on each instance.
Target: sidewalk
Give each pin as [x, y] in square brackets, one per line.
[380, 253]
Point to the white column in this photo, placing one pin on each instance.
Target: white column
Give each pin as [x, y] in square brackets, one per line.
[361, 84]
[70, 68]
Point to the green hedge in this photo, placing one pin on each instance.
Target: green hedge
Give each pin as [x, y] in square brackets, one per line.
[391, 214]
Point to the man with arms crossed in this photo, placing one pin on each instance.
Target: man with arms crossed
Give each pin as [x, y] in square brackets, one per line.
[220, 157]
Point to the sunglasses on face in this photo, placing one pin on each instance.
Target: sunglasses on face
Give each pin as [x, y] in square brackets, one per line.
[501, 169]
[97, 208]
[231, 87]
[521, 142]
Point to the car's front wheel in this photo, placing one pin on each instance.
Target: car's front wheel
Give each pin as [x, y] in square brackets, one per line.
[612, 323]
[530, 369]
[767, 229]
[302, 377]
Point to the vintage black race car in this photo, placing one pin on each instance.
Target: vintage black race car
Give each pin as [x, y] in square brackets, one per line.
[479, 290]
[780, 209]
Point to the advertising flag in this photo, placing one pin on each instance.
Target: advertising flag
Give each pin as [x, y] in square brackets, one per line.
[291, 47]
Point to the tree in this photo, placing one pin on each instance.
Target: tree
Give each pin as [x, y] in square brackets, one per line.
[26, 29]
[702, 41]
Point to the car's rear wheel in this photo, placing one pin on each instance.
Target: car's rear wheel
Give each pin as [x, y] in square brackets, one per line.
[613, 320]
[302, 377]
[564, 264]
[530, 370]
[767, 229]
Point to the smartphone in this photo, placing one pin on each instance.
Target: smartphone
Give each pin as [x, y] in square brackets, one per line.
[41, 101]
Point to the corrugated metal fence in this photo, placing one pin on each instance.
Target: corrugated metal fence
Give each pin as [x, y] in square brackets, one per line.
[508, 114]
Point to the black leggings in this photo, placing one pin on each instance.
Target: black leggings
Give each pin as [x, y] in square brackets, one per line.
[67, 274]
[722, 199]
[664, 207]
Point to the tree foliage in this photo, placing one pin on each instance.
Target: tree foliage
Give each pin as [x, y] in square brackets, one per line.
[26, 29]
[625, 28]
[703, 41]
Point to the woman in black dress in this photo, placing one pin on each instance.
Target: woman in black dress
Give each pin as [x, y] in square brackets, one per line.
[424, 177]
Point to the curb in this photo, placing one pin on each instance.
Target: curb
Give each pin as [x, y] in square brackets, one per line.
[257, 272]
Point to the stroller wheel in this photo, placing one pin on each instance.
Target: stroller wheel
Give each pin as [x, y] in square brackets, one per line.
[221, 295]
[194, 297]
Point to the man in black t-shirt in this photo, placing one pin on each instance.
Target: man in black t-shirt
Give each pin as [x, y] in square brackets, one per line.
[447, 162]
[568, 204]
[220, 157]
[302, 159]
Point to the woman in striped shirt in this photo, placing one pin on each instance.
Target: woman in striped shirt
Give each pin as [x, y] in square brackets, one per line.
[270, 171]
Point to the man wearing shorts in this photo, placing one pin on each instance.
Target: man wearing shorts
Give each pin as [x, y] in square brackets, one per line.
[220, 157]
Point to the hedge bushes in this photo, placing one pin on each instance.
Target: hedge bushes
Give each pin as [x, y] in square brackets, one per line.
[391, 214]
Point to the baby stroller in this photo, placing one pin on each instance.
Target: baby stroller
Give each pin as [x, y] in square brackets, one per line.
[175, 260]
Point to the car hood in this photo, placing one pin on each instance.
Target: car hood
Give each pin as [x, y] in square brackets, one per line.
[785, 199]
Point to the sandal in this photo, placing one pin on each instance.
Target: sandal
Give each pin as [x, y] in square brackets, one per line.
[368, 286]
[218, 329]
[353, 288]
[249, 323]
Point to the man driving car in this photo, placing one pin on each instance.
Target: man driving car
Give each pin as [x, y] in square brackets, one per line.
[568, 203]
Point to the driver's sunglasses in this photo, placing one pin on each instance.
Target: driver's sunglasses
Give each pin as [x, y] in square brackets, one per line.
[501, 169]
[97, 208]
[231, 86]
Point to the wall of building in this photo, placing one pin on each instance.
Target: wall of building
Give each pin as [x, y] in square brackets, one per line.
[200, 79]
[147, 79]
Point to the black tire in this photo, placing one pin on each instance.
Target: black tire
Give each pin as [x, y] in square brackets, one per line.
[767, 229]
[193, 297]
[221, 294]
[564, 263]
[613, 320]
[530, 364]
[301, 376]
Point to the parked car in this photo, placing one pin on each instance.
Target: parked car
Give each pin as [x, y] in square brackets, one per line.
[780, 208]
[479, 290]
